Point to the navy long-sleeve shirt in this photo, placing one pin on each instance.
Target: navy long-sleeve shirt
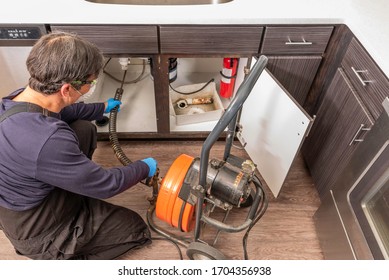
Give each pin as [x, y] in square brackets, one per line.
[39, 153]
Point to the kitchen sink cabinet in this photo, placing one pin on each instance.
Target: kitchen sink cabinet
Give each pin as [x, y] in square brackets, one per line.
[200, 50]
[294, 52]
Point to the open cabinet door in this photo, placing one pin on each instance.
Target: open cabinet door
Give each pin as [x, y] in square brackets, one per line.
[274, 126]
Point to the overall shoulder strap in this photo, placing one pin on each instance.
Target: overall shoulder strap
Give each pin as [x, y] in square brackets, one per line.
[23, 107]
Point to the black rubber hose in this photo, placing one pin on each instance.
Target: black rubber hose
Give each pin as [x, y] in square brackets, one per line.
[192, 92]
[113, 137]
[261, 211]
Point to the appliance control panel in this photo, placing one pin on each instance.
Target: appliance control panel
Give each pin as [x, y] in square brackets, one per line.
[20, 35]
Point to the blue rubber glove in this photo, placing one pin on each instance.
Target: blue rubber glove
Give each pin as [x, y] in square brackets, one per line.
[152, 163]
[112, 103]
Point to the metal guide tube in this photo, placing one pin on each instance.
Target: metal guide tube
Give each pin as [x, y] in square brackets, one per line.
[230, 113]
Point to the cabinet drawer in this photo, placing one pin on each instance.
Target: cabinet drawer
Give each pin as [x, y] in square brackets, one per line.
[210, 39]
[117, 39]
[296, 40]
[370, 83]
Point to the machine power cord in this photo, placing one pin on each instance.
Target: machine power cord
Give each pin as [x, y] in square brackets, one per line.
[171, 241]
[192, 92]
[260, 212]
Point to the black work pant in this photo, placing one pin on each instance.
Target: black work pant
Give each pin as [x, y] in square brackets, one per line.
[71, 226]
[87, 136]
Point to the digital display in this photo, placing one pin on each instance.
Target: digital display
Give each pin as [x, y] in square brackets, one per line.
[20, 33]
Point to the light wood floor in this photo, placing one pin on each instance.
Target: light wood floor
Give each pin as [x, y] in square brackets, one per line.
[285, 232]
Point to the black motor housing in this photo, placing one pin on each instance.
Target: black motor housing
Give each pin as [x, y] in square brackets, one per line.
[226, 182]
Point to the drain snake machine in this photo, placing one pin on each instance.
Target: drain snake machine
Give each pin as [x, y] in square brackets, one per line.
[193, 187]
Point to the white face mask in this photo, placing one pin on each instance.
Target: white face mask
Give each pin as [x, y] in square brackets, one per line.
[87, 95]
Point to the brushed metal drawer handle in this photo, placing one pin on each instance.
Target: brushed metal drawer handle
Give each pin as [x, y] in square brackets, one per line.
[357, 73]
[355, 139]
[302, 43]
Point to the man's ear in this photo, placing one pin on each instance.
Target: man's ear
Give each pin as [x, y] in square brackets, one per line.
[65, 90]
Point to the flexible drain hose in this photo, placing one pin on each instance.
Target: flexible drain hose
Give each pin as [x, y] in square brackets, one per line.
[113, 137]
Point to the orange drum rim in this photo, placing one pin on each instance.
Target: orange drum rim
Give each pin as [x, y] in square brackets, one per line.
[188, 221]
[166, 208]
[184, 214]
[174, 191]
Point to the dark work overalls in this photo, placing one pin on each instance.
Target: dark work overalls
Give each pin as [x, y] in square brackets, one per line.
[71, 226]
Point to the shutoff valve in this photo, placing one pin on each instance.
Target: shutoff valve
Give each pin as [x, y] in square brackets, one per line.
[124, 62]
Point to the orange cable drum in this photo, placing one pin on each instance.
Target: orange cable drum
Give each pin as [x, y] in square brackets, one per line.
[183, 211]
[170, 188]
[187, 221]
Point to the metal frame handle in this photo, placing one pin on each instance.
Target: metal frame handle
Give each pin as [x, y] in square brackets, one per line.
[357, 73]
[229, 115]
[355, 139]
[303, 43]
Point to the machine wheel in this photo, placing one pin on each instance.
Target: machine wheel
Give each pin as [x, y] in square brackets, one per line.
[201, 251]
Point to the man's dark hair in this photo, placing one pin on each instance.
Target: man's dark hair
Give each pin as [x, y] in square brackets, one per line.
[59, 58]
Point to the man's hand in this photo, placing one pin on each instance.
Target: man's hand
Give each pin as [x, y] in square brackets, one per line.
[152, 163]
[111, 104]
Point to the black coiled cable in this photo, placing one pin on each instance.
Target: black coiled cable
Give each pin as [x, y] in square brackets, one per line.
[113, 137]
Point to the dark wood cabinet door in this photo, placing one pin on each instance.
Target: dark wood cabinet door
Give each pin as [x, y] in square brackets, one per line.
[210, 39]
[117, 39]
[340, 125]
[295, 73]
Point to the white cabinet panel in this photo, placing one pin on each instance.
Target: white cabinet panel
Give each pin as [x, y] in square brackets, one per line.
[273, 128]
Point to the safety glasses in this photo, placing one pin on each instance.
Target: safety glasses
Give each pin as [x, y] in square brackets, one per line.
[80, 83]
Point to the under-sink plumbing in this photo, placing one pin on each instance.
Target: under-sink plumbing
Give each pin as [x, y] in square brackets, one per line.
[124, 62]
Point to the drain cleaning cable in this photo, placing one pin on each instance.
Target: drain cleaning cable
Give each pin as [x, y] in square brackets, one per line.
[113, 138]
